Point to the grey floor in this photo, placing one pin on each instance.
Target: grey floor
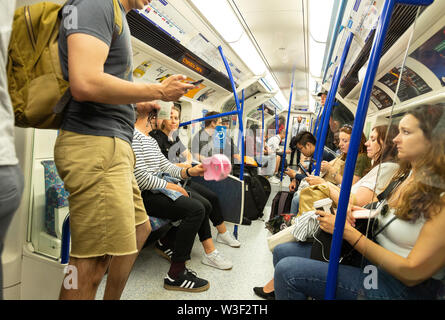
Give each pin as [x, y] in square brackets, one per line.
[252, 266]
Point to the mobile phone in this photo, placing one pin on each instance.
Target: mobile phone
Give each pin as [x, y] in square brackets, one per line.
[197, 82]
[189, 193]
[303, 169]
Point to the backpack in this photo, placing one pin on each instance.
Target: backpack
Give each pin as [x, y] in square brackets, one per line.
[37, 88]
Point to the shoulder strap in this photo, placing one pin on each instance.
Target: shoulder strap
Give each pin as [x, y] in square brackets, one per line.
[390, 188]
[117, 16]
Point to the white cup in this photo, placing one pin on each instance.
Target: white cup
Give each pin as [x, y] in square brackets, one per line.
[324, 205]
[165, 112]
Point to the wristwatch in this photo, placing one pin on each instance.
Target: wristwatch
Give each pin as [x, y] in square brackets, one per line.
[187, 172]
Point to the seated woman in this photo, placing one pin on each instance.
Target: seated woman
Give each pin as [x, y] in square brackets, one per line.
[408, 255]
[384, 168]
[164, 198]
[174, 150]
[331, 173]
[333, 170]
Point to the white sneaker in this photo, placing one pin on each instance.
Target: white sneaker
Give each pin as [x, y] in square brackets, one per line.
[228, 238]
[274, 180]
[217, 260]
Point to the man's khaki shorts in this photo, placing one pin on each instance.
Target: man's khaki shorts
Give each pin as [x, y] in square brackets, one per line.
[105, 202]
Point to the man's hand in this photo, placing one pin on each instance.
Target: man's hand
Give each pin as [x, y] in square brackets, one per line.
[175, 187]
[293, 185]
[173, 88]
[146, 107]
[291, 173]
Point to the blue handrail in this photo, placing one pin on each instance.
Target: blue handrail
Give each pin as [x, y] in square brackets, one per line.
[354, 143]
[317, 120]
[262, 135]
[330, 102]
[276, 121]
[220, 115]
[238, 108]
[283, 158]
[65, 248]
[324, 124]
[335, 33]
[240, 121]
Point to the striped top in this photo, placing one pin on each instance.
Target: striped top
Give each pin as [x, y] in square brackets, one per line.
[150, 161]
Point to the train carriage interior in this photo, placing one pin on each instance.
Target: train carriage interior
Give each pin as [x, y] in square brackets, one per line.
[268, 69]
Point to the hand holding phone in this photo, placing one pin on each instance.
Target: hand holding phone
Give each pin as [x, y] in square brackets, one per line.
[197, 82]
[303, 169]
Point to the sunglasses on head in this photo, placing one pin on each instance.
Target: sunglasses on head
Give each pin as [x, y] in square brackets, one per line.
[347, 126]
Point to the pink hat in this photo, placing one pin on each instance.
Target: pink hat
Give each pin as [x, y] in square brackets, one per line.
[217, 167]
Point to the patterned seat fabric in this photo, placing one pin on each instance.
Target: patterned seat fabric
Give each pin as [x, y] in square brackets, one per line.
[55, 195]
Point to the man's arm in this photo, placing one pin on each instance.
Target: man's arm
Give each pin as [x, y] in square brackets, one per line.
[88, 81]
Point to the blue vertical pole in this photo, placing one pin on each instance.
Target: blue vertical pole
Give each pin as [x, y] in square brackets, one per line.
[330, 103]
[283, 158]
[354, 143]
[324, 123]
[276, 121]
[240, 140]
[240, 121]
[317, 121]
[262, 136]
[335, 33]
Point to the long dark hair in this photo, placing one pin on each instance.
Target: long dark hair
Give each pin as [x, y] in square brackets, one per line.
[423, 196]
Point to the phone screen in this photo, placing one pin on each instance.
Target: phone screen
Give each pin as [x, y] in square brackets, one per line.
[197, 82]
[303, 169]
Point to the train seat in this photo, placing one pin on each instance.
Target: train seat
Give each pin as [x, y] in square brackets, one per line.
[56, 199]
[56, 202]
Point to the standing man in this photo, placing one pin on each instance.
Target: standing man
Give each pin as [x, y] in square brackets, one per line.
[11, 178]
[274, 150]
[298, 127]
[93, 151]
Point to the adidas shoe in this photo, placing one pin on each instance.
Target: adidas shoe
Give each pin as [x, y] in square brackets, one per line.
[216, 259]
[187, 281]
[228, 238]
[164, 250]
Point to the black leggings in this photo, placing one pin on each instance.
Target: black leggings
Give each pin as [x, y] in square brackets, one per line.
[194, 213]
[215, 213]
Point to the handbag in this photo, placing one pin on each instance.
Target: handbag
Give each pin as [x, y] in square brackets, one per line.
[311, 194]
[321, 246]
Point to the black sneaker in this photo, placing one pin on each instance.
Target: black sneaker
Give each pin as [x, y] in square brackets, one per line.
[165, 251]
[187, 281]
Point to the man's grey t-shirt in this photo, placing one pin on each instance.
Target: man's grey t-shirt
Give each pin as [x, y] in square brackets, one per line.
[203, 144]
[7, 148]
[96, 18]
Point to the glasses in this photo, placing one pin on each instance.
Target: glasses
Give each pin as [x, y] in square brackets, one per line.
[347, 126]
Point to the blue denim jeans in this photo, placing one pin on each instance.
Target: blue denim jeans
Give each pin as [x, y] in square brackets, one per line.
[295, 203]
[11, 188]
[298, 277]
